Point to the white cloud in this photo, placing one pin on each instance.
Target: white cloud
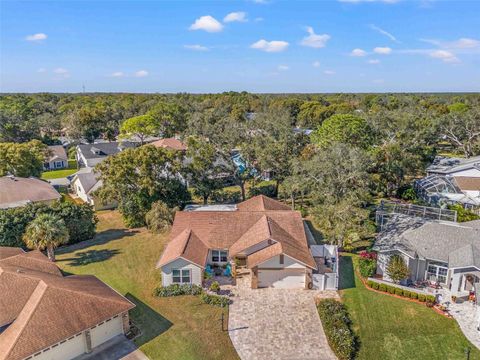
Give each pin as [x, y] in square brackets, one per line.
[329, 72]
[207, 23]
[42, 70]
[196, 47]
[117, 74]
[373, 61]
[445, 56]
[314, 40]
[36, 37]
[382, 50]
[358, 52]
[462, 43]
[141, 73]
[316, 64]
[270, 46]
[283, 67]
[239, 16]
[60, 70]
[383, 32]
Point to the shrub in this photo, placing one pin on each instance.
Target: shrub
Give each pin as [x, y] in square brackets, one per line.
[463, 214]
[399, 291]
[226, 197]
[215, 286]
[397, 269]
[406, 293]
[79, 219]
[413, 295]
[159, 218]
[375, 285]
[391, 289]
[336, 324]
[367, 266]
[215, 300]
[370, 283]
[382, 287]
[422, 297]
[267, 190]
[178, 290]
[431, 300]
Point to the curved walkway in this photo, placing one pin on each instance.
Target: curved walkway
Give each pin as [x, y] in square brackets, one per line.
[278, 324]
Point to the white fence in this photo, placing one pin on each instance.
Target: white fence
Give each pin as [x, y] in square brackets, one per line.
[327, 281]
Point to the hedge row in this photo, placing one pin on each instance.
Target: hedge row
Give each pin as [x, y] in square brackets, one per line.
[391, 289]
[336, 324]
[191, 289]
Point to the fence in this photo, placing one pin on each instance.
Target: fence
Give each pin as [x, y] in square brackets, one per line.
[327, 281]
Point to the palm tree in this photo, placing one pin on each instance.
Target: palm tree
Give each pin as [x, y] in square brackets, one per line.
[46, 231]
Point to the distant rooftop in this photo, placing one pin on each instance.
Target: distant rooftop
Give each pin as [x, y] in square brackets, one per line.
[221, 207]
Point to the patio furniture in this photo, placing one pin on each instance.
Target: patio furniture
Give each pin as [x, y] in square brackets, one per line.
[209, 270]
[228, 271]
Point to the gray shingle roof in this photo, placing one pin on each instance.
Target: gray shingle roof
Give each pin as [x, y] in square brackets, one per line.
[94, 151]
[453, 243]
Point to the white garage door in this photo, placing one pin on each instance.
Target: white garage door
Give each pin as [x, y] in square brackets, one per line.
[282, 278]
[106, 331]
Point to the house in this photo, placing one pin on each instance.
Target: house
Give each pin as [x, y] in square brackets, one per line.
[452, 181]
[447, 253]
[90, 155]
[17, 191]
[45, 315]
[84, 183]
[58, 158]
[261, 235]
[170, 143]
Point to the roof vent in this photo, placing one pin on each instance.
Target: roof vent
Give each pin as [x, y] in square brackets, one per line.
[19, 271]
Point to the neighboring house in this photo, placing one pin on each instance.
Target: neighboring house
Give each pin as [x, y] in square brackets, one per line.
[45, 315]
[90, 155]
[452, 181]
[58, 158]
[443, 252]
[261, 234]
[17, 191]
[170, 143]
[84, 184]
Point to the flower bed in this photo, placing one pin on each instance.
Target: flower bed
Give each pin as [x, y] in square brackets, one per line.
[429, 300]
[190, 289]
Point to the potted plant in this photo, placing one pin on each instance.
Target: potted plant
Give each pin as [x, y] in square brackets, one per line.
[454, 299]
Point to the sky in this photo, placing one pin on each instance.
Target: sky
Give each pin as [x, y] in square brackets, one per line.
[252, 45]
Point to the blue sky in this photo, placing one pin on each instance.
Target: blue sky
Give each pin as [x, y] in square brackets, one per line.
[258, 46]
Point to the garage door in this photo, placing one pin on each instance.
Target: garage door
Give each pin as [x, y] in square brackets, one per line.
[106, 331]
[282, 278]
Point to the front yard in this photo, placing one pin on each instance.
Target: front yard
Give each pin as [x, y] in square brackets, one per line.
[392, 328]
[61, 173]
[172, 328]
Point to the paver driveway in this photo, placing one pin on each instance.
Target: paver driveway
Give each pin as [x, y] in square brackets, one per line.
[277, 324]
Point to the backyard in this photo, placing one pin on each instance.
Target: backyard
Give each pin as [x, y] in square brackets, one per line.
[172, 328]
[392, 328]
[61, 173]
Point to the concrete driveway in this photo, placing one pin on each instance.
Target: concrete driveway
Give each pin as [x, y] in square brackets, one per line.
[278, 324]
[117, 348]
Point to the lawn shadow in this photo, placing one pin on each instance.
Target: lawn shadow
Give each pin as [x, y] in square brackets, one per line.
[149, 321]
[100, 238]
[347, 276]
[90, 256]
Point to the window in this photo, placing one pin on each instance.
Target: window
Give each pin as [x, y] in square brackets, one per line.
[437, 272]
[58, 164]
[219, 256]
[281, 259]
[181, 276]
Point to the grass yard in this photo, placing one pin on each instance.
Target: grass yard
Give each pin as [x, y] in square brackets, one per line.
[57, 174]
[172, 328]
[391, 328]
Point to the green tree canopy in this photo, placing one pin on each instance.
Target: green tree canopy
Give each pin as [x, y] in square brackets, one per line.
[136, 178]
[397, 269]
[22, 159]
[140, 126]
[171, 118]
[344, 128]
[46, 231]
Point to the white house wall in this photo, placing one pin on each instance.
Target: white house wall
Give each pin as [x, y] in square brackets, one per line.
[195, 271]
[106, 331]
[80, 191]
[274, 262]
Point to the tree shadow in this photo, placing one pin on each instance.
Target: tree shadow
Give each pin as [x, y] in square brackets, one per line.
[90, 256]
[100, 238]
[316, 234]
[150, 322]
[347, 276]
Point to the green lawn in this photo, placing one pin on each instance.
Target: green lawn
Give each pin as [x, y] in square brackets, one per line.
[392, 328]
[57, 174]
[172, 328]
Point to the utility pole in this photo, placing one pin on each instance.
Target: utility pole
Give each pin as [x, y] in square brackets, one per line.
[83, 88]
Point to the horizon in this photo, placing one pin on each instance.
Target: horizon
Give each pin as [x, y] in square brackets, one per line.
[261, 47]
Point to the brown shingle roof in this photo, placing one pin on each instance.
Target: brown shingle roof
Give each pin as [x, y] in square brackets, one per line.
[262, 203]
[186, 245]
[170, 143]
[238, 230]
[46, 307]
[468, 183]
[17, 191]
